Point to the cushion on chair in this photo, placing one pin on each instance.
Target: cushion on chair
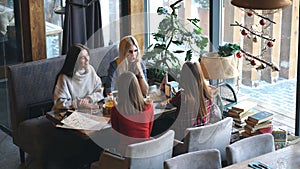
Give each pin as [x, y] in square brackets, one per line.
[198, 159]
[250, 147]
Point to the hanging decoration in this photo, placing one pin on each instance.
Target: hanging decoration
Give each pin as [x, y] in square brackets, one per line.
[259, 30]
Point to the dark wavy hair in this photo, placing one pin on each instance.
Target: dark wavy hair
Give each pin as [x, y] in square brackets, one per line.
[71, 58]
[70, 61]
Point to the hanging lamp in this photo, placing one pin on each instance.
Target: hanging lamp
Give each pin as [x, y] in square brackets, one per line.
[261, 4]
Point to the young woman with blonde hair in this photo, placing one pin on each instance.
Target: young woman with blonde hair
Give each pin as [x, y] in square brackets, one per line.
[195, 102]
[129, 59]
[132, 117]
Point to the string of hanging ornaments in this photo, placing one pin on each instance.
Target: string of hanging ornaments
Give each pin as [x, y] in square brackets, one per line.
[259, 30]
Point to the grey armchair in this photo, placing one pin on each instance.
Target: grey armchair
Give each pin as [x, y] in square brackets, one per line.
[209, 159]
[250, 147]
[213, 136]
[149, 154]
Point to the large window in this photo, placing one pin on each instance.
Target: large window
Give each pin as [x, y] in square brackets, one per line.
[189, 9]
[54, 24]
[110, 12]
[166, 25]
[8, 41]
[10, 52]
[274, 91]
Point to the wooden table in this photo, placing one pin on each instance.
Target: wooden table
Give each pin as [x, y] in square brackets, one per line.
[158, 112]
[57, 117]
[290, 154]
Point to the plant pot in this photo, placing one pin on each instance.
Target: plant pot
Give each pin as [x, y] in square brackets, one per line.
[216, 67]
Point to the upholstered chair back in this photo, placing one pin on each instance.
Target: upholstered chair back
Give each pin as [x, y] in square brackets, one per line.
[30, 91]
[216, 135]
[149, 154]
[213, 136]
[250, 147]
[210, 158]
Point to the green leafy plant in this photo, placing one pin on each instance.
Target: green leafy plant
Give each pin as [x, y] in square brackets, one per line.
[173, 41]
[228, 49]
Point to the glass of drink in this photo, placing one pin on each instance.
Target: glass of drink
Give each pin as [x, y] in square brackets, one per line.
[109, 103]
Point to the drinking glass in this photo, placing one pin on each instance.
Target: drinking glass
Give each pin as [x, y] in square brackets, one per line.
[109, 103]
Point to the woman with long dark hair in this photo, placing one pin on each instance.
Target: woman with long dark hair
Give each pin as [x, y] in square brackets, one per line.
[77, 84]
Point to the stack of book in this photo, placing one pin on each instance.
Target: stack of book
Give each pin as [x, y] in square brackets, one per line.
[258, 123]
[241, 111]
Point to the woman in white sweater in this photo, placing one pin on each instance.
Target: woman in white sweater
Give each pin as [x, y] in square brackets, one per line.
[77, 84]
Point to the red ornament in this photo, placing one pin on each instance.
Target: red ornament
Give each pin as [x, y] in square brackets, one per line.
[252, 62]
[262, 22]
[270, 44]
[244, 32]
[238, 54]
[250, 13]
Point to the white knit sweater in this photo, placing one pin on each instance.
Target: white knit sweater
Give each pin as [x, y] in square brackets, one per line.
[83, 85]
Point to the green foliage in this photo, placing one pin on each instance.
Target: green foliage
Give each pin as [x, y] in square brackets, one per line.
[155, 75]
[228, 49]
[174, 40]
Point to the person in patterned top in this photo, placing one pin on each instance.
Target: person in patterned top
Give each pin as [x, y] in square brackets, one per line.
[194, 101]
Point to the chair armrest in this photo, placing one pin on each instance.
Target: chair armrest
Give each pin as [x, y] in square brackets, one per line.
[112, 161]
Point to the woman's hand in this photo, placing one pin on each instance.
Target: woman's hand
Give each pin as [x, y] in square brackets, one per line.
[138, 71]
[85, 103]
[138, 66]
[135, 67]
[82, 103]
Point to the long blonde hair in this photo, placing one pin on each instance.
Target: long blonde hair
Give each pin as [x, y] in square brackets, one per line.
[196, 91]
[125, 43]
[131, 100]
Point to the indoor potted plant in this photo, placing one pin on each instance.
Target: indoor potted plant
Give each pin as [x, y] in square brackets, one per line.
[221, 64]
[173, 41]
